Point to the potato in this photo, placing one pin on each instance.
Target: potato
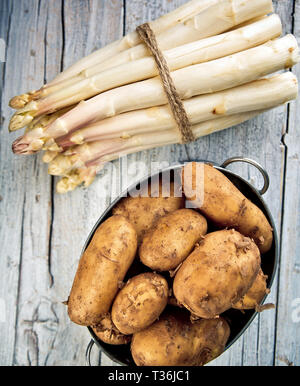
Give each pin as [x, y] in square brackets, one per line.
[172, 301]
[172, 239]
[143, 212]
[107, 332]
[217, 274]
[101, 269]
[175, 341]
[140, 302]
[222, 203]
[255, 295]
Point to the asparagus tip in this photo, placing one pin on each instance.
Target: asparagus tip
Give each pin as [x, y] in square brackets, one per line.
[79, 176]
[68, 183]
[60, 166]
[18, 121]
[77, 139]
[18, 147]
[21, 146]
[51, 145]
[20, 101]
[23, 116]
[49, 156]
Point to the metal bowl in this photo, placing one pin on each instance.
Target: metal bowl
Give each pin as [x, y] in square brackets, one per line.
[239, 322]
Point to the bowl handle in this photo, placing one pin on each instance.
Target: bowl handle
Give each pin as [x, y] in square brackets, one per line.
[254, 163]
[88, 353]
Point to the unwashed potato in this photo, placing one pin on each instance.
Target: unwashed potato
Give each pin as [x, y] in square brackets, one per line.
[143, 211]
[172, 301]
[172, 239]
[255, 295]
[222, 203]
[108, 333]
[175, 341]
[217, 273]
[101, 269]
[140, 302]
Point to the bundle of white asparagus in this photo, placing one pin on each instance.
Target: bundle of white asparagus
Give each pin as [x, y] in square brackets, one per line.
[220, 53]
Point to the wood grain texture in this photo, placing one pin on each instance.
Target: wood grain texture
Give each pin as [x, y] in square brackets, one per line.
[9, 234]
[23, 180]
[87, 24]
[288, 310]
[37, 321]
[42, 233]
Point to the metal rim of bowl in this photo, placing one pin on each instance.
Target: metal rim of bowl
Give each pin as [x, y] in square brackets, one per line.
[222, 168]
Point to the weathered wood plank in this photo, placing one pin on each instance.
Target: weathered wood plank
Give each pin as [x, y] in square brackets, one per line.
[25, 185]
[37, 322]
[41, 318]
[9, 257]
[87, 24]
[288, 311]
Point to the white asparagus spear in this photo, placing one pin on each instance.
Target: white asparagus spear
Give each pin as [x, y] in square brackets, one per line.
[204, 50]
[203, 78]
[257, 95]
[74, 177]
[91, 71]
[212, 21]
[179, 15]
[43, 121]
[104, 151]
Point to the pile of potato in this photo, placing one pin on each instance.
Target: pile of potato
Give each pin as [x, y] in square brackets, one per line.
[179, 278]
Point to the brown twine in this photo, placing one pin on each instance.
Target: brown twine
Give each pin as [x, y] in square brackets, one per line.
[148, 37]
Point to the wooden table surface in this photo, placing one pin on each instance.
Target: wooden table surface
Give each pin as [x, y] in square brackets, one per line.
[42, 232]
